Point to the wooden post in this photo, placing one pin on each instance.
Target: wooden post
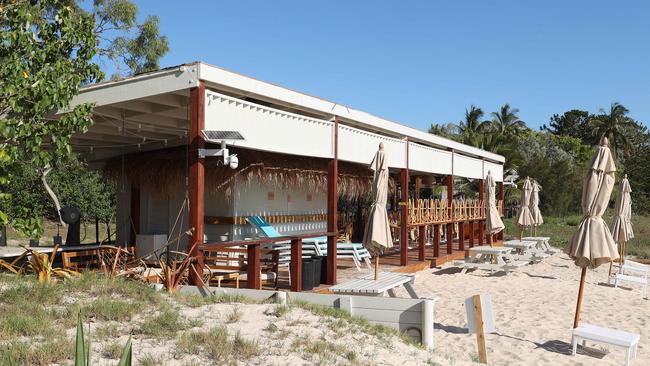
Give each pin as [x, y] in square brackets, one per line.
[502, 198]
[481, 222]
[135, 215]
[450, 225]
[461, 235]
[404, 222]
[253, 271]
[332, 208]
[418, 187]
[576, 320]
[296, 265]
[436, 240]
[471, 233]
[197, 179]
[421, 242]
[480, 332]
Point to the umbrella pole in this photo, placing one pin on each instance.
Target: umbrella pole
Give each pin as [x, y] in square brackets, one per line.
[376, 267]
[580, 293]
[622, 260]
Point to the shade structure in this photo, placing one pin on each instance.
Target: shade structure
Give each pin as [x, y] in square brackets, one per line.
[525, 218]
[377, 237]
[534, 204]
[592, 244]
[621, 226]
[493, 223]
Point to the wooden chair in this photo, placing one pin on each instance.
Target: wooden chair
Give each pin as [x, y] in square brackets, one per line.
[80, 260]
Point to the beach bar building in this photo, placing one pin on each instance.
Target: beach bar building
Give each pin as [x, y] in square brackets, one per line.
[155, 134]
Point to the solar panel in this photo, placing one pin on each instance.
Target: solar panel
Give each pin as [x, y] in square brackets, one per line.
[222, 135]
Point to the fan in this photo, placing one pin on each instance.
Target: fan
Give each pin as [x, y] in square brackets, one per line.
[72, 216]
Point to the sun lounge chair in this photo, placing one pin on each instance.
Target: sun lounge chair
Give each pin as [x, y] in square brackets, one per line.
[619, 338]
[631, 267]
[316, 246]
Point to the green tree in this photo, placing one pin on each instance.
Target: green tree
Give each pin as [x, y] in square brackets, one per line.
[449, 131]
[472, 127]
[132, 48]
[506, 121]
[616, 126]
[46, 55]
[573, 123]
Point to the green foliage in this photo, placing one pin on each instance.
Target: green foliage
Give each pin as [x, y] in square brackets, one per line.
[47, 53]
[83, 350]
[573, 123]
[75, 185]
[137, 47]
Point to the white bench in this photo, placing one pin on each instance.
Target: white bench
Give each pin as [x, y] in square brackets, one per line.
[596, 334]
[632, 280]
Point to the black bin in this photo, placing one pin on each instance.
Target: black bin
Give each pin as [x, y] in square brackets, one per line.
[323, 269]
[307, 274]
[318, 266]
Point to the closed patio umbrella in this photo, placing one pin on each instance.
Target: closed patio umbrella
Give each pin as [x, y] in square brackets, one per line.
[621, 225]
[377, 237]
[534, 206]
[525, 218]
[592, 244]
[493, 223]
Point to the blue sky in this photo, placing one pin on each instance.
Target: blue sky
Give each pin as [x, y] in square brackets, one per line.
[418, 62]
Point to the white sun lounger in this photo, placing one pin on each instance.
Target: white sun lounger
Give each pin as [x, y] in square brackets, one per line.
[491, 259]
[620, 278]
[596, 334]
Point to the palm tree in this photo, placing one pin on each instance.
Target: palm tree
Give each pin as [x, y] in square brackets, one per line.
[506, 121]
[472, 126]
[615, 125]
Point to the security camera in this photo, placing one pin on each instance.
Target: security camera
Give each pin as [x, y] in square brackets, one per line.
[233, 161]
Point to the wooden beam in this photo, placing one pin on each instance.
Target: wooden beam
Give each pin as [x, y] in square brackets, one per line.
[254, 255]
[461, 235]
[502, 198]
[296, 265]
[421, 242]
[197, 180]
[404, 212]
[470, 224]
[135, 215]
[332, 206]
[436, 240]
[418, 187]
[481, 223]
[450, 199]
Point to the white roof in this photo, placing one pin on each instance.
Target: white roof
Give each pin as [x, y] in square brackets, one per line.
[177, 80]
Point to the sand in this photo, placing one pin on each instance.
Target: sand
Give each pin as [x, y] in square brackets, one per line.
[533, 310]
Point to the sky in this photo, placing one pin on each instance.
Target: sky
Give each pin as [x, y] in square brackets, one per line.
[423, 62]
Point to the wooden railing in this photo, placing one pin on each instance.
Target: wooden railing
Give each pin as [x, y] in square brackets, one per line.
[430, 211]
[254, 254]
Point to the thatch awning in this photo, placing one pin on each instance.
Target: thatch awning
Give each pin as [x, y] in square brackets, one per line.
[163, 171]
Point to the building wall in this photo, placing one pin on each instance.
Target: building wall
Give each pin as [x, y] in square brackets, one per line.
[168, 213]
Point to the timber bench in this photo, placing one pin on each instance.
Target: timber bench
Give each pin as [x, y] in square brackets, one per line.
[596, 334]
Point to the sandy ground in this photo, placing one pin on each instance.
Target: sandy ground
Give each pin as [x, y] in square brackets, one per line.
[533, 310]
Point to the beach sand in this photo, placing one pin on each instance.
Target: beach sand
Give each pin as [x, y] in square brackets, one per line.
[534, 308]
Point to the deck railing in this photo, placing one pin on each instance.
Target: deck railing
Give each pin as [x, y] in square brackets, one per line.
[254, 255]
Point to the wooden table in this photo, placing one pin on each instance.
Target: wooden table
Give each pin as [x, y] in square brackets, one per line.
[386, 283]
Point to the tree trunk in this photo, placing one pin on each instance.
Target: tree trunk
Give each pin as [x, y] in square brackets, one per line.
[52, 194]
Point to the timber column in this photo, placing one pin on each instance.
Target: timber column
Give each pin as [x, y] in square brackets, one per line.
[404, 213]
[450, 225]
[502, 198]
[332, 206]
[481, 222]
[196, 177]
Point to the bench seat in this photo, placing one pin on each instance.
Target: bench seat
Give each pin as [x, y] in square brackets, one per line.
[602, 335]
